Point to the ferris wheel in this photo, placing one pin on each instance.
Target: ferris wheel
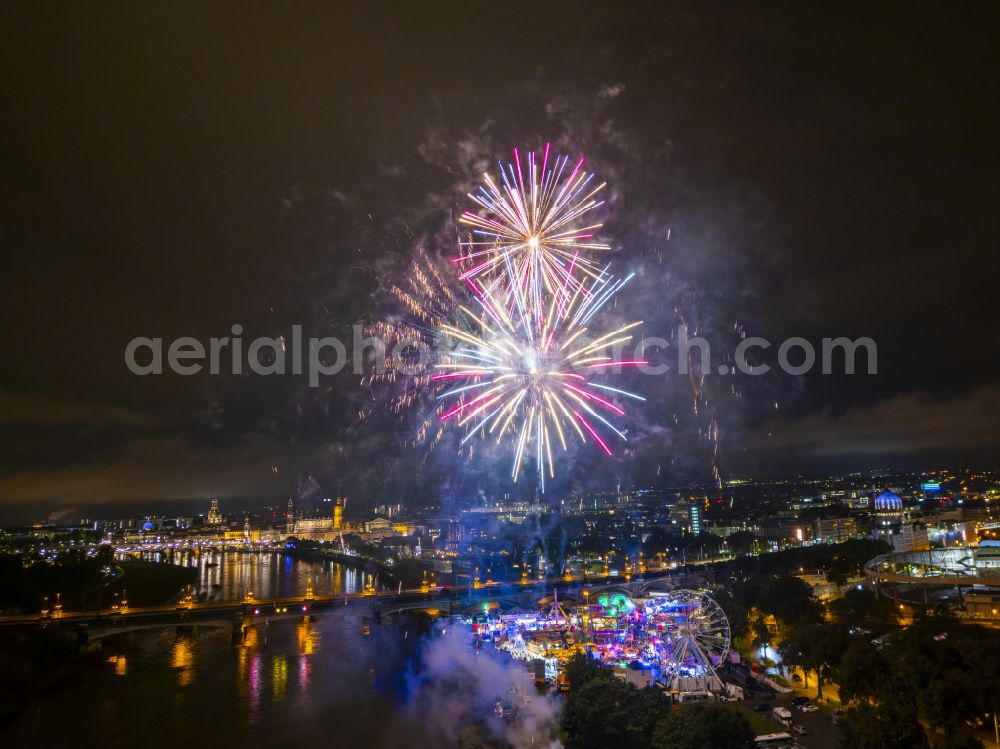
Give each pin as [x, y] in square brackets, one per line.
[696, 636]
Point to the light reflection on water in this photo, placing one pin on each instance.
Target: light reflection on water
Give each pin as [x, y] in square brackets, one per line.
[229, 576]
[289, 679]
[182, 659]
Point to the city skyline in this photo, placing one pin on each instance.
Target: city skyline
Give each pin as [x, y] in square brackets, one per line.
[500, 376]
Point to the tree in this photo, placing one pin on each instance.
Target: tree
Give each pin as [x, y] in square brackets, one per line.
[862, 671]
[791, 600]
[959, 741]
[700, 726]
[829, 644]
[816, 647]
[861, 607]
[884, 727]
[581, 668]
[701, 545]
[658, 542]
[736, 612]
[741, 542]
[798, 649]
[936, 664]
[606, 712]
[761, 634]
[644, 712]
[933, 671]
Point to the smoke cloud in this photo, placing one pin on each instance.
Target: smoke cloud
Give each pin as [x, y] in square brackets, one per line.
[470, 698]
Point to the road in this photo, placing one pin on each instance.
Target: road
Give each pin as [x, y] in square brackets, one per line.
[385, 600]
[822, 733]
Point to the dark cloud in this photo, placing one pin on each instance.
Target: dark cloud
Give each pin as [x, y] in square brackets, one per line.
[819, 172]
[53, 410]
[907, 422]
[157, 467]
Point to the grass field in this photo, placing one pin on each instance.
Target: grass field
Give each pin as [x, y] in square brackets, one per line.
[761, 723]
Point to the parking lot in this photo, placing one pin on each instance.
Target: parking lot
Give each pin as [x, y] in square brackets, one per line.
[822, 733]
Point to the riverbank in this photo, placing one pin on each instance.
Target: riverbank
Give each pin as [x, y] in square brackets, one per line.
[149, 583]
[90, 585]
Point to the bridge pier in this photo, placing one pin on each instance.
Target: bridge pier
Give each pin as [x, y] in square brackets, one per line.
[82, 639]
[239, 632]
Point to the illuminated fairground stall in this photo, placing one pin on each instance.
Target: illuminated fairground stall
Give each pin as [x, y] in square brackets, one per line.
[677, 639]
[548, 637]
[680, 637]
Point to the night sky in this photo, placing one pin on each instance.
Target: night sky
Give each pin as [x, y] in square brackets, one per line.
[174, 171]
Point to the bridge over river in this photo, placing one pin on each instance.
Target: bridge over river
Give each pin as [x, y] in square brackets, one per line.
[240, 615]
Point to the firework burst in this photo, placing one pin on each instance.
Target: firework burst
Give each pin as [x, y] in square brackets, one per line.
[504, 381]
[529, 239]
[521, 359]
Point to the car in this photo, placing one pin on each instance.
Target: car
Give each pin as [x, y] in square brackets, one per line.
[800, 701]
[800, 730]
[796, 678]
[761, 708]
[808, 708]
[838, 712]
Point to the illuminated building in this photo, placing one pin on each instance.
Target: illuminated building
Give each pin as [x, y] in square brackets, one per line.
[834, 529]
[888, 507]
[214, 514]
[695, 518]
[322, 528]
[910, 537]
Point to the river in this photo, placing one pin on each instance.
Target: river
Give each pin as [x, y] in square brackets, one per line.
[337, 678]
[231, 575]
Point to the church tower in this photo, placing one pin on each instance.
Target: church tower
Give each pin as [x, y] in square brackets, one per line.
[214, 513]
[338, 514]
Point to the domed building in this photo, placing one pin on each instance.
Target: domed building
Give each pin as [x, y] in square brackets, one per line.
[888, 501]
[888, 507]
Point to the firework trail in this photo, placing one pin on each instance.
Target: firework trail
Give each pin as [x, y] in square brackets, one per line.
[531, 243]
[521, 368]
[519, 358]
[507, 382]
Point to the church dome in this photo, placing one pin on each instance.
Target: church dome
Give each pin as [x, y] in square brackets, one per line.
[888, 501]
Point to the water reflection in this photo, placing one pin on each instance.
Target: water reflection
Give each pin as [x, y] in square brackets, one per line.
[120, 663]
[254, 681]
[182, 659]
[305, 671]
[308, 636]
[294, 680]
[279, 676]
[229, 576]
